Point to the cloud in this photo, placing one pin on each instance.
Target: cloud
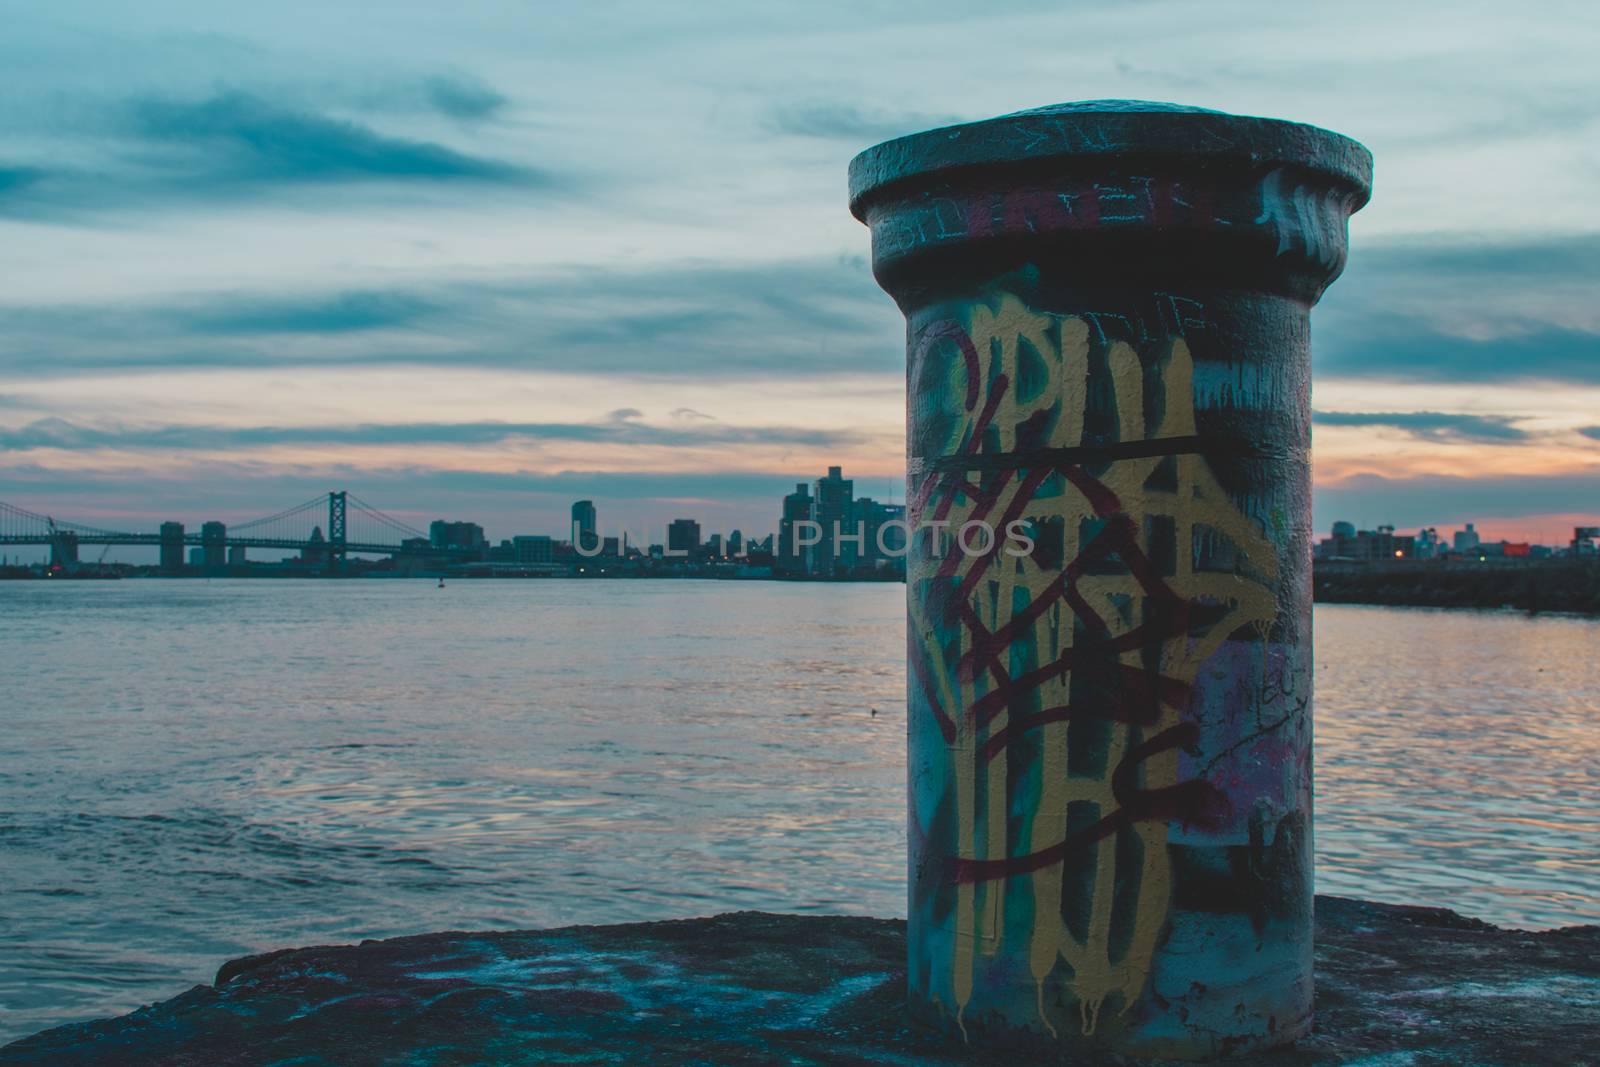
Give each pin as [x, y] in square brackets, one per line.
[239, 136]
[1571, 111]
[1395, 348]
[1418, 312]
[1472, 311]
[1369, 499]
[1171, 78]
[1431, 425]
[173, 150]
[835, 120]
[1591, 431]
[49, 432]
[339, 313]
[1452, 261]
[250, 490]
[506, 503]
[17, 178]
[622, 427]
[615, 485]
[463, 98]
[783, 319]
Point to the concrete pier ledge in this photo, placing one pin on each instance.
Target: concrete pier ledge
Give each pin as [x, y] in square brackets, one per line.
[1395, 986]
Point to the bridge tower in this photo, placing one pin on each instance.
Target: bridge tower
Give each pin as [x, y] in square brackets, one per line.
[63, 548]
[336, 531]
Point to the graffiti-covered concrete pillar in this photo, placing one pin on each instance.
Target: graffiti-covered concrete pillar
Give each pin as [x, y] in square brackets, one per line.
[1110, 592]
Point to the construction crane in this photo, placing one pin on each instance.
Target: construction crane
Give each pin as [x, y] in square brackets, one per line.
[55, 536]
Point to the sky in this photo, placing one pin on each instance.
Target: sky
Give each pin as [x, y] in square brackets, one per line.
[479, 260]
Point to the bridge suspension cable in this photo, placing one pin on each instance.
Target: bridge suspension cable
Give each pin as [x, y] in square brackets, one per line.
[326, 519]
[381, 520]
[318, 502]
[18, 522]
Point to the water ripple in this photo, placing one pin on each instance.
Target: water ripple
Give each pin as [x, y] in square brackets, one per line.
[199, 771]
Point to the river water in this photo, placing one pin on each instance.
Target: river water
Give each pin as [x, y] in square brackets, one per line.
[192, 771]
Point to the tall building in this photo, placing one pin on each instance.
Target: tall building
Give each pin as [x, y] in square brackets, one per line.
[533, 549]
[1340, 546]
[315, 552]
[1428, 544]
[584, 525]
[791, 558]
[1466, 540]
[838, 552]
[214, 541]
[64, 549]
[683, 537]
[458, 535]
[1349, 543]
[736, 544]
[172, 546]
[882, 546]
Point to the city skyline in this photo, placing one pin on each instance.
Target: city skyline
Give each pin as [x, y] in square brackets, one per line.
[254, 256]
[832, 533]
[425, 518]
[807, 503]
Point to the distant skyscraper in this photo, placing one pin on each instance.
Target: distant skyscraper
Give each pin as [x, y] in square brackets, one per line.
[831, 508]
[584, 525]
[882, 545]
[214, 540]
[316, 550]
[796, 506]
[736, 544]
[1466, 540]
[683, 537]
[172, 546]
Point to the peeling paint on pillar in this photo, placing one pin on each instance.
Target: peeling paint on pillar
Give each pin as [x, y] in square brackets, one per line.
[1110, 734]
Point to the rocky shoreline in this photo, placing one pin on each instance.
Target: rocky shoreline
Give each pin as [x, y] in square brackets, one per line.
[1395, 986]
[1552, 586]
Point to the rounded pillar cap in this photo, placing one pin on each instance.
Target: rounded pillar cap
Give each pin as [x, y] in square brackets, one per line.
[1082, 132]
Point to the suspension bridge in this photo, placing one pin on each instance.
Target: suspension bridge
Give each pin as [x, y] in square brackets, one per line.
[324, 530]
